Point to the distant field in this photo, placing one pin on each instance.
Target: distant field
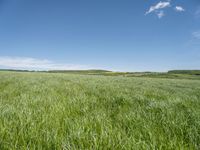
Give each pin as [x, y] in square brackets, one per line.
[73, 111]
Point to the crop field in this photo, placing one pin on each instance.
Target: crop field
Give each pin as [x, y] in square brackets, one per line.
[72, 111]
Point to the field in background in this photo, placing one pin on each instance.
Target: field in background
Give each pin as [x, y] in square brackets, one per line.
[84, 111]
[173, 74]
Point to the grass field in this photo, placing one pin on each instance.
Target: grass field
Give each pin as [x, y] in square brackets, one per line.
[66, 111]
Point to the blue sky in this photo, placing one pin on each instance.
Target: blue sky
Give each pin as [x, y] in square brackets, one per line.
[119, 35]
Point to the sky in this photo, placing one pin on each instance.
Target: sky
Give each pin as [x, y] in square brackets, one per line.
[118, 35]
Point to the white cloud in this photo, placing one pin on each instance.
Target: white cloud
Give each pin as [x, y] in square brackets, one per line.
[36, 64]
[158, 8]
[179, 9]
[196, 35]
[160, 5]
[160, 14]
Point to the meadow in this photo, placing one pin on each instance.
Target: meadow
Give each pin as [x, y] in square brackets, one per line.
[73, 111]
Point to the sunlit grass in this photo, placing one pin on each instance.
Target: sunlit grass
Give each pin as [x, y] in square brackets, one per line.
[58, 111]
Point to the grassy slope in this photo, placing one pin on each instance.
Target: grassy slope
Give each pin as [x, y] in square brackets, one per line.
[79, 71]
[60, 111]
[190, 72]
[173, 74]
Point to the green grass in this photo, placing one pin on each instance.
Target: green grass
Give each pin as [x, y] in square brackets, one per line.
[189, 72]
[65, 111]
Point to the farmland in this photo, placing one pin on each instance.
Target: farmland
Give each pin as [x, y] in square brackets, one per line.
[40, 110]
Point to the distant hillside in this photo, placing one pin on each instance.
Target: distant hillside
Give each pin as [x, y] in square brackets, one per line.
[79, 71]
[15, 70]
[190, 72]
[63, 71]
[173, 74]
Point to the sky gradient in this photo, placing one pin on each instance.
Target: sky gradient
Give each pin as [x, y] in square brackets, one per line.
[139, 35]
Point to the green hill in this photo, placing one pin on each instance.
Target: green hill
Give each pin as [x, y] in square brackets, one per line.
[190, 72]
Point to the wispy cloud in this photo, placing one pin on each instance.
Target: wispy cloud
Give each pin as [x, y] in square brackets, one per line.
[158, 6]
[160, 14]
[179, 9]
[37, 64]
[196, 35]
[197, 13]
